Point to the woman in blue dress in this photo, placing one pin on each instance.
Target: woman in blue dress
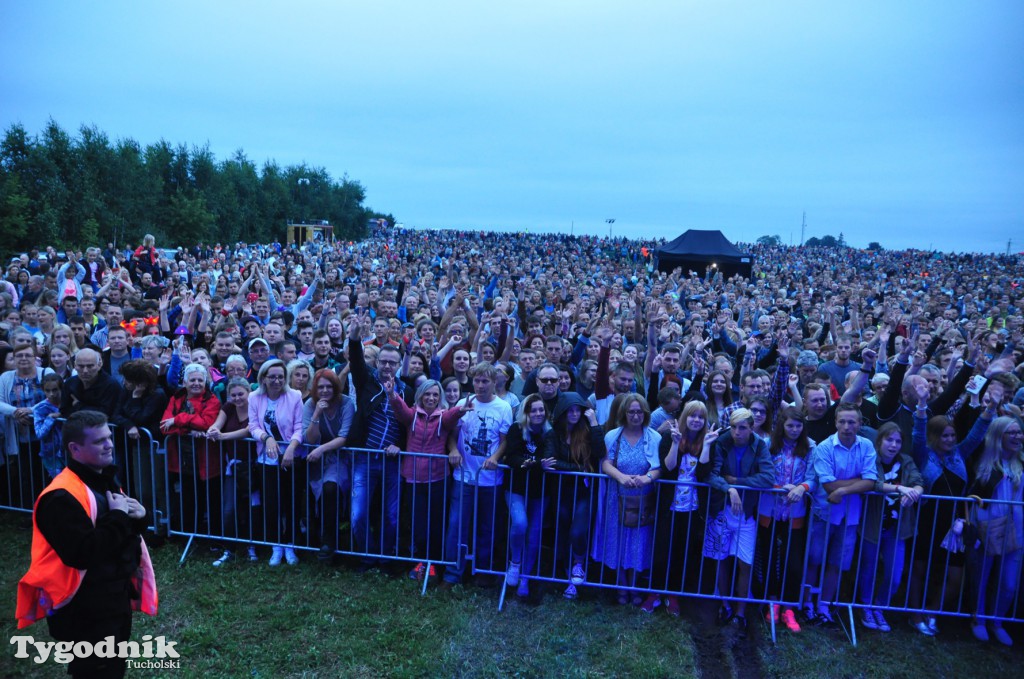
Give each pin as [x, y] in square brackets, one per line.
[625, 521]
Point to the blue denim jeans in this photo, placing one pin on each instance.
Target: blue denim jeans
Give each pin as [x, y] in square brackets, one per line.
[371, 471]
[1007, 577]
[526, 519]
[893, 551]
[461, 514]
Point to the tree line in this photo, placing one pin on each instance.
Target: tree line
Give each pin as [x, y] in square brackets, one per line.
[814, 242]
[77, 191]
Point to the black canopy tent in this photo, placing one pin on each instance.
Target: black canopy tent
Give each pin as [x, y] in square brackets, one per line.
[698, 249]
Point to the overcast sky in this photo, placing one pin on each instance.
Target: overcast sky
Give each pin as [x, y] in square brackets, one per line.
[897, 122]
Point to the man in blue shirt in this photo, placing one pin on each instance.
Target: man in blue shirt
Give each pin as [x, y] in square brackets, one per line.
[844, 467]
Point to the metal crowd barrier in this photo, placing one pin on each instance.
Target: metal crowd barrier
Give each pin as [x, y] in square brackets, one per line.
[383, 508]
[354, 501]
[671, 555]
[24, 475]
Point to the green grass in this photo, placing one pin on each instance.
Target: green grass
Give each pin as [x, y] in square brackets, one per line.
[309, 621]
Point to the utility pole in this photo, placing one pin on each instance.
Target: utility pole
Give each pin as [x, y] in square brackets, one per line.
[1008, 243]
[803, 228]
[610, 221]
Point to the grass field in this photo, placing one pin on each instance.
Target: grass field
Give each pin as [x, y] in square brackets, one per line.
[311, 621]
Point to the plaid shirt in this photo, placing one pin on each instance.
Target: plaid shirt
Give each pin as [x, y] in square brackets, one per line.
[27, 392]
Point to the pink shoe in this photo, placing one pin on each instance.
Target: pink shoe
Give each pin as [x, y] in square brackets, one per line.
[789, 620]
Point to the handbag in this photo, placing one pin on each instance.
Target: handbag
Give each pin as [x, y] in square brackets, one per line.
[998, 535]
[187, 461]
[960, 534]
[637, 510]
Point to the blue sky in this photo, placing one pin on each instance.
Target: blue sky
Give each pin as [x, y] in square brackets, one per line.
[898, 122]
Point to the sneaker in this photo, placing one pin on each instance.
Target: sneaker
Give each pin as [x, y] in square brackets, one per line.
[724, 614]
[432, 573]
[252, 554]
[672, 605]
[883, 624]
[326, 554]
[868, 619]
[933, 624]
[290, 556]
[739, 624]
[772, 614]
[979, 631]
[578, 576]
[1002, 636]
[224, 559]
[276, 556]
[512, 574]
[789, 620]
[523, 590]
[824, 619]
[650, 603]
[924, 629]
[570, 592]
[417, 572]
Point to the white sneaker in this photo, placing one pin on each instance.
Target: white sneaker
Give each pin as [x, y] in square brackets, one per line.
[276, 556]
[223, 559]
[512, 574]
[252, 554]
[577, 576]
[290, 556]
[883, 624]
[868, 619]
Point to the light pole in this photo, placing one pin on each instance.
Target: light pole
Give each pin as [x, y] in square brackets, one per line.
[610, 221]
[302, 181]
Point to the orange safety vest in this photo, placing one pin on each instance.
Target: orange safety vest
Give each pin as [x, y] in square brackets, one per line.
[50, 584]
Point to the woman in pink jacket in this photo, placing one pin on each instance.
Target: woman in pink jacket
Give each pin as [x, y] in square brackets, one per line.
[425, 473]
[275, 416]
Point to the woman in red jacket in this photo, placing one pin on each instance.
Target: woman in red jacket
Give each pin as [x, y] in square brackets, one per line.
[194, 465]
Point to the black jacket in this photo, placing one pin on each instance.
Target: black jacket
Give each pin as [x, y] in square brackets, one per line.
[109, 551]
[103, 395]
[369, 395]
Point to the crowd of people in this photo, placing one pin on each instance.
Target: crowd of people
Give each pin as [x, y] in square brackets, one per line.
[675, 431]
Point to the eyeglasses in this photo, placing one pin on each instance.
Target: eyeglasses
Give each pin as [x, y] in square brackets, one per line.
[275, 378]
[635, 413]
[547, 380]
[386, 362]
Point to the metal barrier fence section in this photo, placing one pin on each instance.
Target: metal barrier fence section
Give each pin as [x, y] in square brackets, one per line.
[352, 501]
[138, 455]
[940, 556]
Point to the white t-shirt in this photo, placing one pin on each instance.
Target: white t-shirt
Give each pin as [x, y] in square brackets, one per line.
[480, 432]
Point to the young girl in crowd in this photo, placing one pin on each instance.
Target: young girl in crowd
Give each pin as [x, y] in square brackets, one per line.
[685, 461]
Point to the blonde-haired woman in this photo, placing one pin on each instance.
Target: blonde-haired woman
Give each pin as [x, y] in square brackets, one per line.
[275, 416]
[1000, 522]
